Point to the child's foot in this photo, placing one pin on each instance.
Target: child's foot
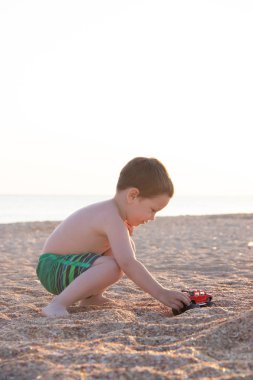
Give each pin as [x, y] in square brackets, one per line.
[54, 310]
[98, 300]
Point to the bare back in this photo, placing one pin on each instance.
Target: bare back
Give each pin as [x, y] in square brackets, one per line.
[84, 230]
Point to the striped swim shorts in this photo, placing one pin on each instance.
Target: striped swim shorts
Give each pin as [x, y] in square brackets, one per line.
[56, 272]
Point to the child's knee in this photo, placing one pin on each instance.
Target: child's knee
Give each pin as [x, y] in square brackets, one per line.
[110, 266]
[115, 268]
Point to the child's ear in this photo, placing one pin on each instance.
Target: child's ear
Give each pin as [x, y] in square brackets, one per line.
[132, 194]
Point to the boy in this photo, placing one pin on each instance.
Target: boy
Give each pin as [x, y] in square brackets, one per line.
[92, 248]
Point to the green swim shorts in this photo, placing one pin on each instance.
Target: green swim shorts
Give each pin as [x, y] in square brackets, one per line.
[56, 272]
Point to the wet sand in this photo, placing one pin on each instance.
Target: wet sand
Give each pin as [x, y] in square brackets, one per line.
[138, 338]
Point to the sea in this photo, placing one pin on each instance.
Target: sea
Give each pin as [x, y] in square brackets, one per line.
[29, 208]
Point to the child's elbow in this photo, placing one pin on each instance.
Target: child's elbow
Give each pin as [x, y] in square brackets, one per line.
[128, 265]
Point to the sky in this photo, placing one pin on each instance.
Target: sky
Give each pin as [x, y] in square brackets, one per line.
[85, 86]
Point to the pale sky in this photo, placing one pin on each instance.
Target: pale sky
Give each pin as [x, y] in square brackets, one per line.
[85, 86]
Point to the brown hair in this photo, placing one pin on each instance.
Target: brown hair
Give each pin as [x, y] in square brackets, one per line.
[148, 175]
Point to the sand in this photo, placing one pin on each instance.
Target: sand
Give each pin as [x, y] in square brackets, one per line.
[138, 338]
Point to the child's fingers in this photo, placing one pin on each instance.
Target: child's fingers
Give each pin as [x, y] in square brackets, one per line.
[179, 296]
[186, 300]
[176, 299]
[183, 304]
[176, 305]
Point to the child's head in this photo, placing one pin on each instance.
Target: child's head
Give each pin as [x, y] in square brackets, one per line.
[148, 175]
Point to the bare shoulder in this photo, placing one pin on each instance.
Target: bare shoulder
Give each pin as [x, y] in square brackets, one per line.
[108, 215]
[99, 215]
[104, 208]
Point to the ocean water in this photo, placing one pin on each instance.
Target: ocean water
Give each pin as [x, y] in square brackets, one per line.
[25, 208]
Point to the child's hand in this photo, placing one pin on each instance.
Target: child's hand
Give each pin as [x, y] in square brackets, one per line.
[129, 227]
[173, 299]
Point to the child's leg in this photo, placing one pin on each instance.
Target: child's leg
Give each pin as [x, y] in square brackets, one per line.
[98, 299]
[103, 273]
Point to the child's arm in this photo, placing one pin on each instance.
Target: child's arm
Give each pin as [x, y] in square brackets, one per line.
[124, 254]
[139, 274]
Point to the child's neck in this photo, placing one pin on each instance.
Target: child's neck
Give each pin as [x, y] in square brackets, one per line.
[120, 202]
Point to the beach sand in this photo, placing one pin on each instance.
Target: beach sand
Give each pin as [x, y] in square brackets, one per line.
[138, 338]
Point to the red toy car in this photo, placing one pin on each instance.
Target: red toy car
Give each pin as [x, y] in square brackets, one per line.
[199, 297]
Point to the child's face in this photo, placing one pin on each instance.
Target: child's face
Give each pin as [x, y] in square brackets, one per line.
[144, 209]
